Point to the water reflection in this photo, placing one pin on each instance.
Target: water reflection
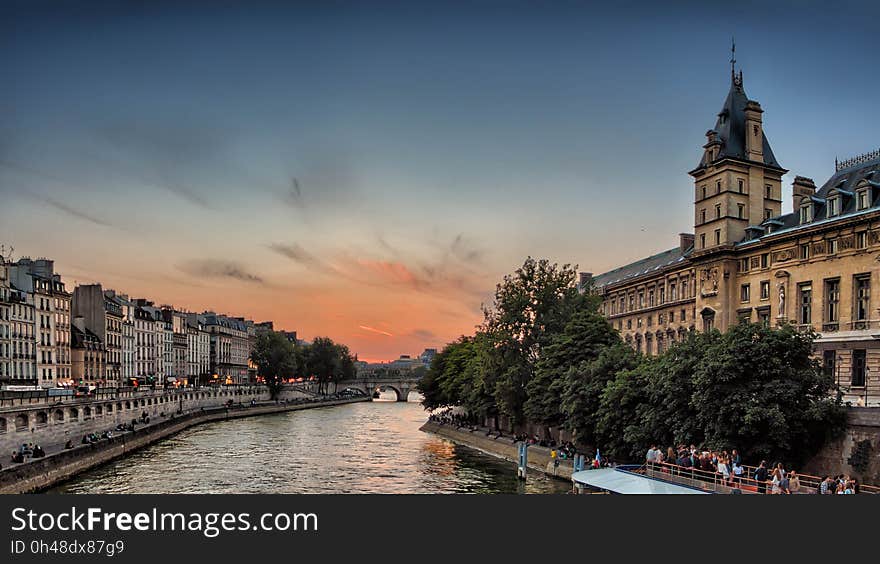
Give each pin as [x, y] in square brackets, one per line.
[359, 448]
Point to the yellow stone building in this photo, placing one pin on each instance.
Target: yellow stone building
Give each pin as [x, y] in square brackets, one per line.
[747, 261]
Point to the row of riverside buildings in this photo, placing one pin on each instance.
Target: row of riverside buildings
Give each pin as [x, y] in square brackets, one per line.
[50, 337]
[816, 267]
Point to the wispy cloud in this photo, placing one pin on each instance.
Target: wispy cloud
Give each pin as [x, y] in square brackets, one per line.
[220, 268]
[426, 334]
[374, 330]
[74, 212]
[298, 254]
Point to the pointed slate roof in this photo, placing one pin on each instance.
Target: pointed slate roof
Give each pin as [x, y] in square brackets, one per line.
[731, 127]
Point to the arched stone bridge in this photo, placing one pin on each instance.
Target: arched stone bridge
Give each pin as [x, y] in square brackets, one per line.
[401, 385]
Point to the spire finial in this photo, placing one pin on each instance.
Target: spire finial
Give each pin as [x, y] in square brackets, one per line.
[732, 58]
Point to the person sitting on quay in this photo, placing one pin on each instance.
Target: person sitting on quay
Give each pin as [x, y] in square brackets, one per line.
[38, 452]
[17, 457]
[68, 444]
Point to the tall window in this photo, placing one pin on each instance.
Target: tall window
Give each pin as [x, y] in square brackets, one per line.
[863, 297]
[768, 191]
[832, 300]
[717, 236]
[702, 216]
[765, 260]
[717, 186]
[708, 323]
[717, 211]
[672, 294]
[745, 292]
[861, 239]
[806, 303]
[651, 298]
[805, 251]
[858, 367]
[806, 213]
[765, 289]
[741, 211]
[829, 362]
[832, 246]
[768, 213]
[740, 186]
[833, 206]
[702, 240]
[862, 199]
[703, 188]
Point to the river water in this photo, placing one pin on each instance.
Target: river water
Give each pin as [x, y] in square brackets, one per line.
[356, 448]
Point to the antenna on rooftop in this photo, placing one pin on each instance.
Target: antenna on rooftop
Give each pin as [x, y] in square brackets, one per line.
[732, 58]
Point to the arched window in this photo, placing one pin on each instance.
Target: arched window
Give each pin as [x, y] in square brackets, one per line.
[42, 418]
[21, 422]
[87, 412]
[2, 425]
[74, 414]
[58, 416]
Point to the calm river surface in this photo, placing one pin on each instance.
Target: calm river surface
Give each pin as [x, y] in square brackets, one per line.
[357, 448]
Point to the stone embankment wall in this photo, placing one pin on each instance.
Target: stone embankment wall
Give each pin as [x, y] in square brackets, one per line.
[51, 421]
[503, 447]
[42, 473]
[863, 423]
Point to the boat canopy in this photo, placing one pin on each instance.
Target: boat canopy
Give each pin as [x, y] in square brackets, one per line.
[620, 481]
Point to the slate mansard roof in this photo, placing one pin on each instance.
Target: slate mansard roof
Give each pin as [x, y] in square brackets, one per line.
[731, 128]
[843, 184]
[641, 267]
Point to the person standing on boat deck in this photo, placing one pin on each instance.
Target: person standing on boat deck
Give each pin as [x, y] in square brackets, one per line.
[761, 477]
[794, 483]
[670, 455]
[651, 455]
[737, 472]
[735, 457]
[723, 470]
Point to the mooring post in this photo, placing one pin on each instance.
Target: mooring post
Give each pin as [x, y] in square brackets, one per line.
[523, 460]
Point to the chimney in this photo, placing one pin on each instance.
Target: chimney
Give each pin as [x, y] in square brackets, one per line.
[753, 133]
[802, 187]
[585, 279]
[686, 241]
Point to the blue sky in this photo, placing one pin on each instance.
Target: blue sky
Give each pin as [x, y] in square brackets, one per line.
[338, 165]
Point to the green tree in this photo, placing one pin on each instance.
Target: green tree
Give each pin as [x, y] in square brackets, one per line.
[328, 362]
[584, 338]
[619, 429]
[530, 306]
[761, 390]
[276, 360]
[584, 385]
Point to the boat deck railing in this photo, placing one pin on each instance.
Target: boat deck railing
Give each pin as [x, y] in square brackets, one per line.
[710, 481]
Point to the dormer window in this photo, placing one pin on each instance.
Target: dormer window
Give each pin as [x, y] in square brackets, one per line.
[862, 199]
[806, 212]
[833, 206]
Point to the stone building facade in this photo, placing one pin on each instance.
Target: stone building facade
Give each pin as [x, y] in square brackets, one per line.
[816, 267]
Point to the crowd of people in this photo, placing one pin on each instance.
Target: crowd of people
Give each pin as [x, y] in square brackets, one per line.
[26, 450]
[729, 470]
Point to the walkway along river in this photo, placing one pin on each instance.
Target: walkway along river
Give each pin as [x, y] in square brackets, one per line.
[358, 448]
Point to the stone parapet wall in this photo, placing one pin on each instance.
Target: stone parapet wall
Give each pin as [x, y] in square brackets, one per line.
[53, 424]
[863, 423]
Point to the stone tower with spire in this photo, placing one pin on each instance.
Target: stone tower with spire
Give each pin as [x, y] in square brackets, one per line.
[738, 183]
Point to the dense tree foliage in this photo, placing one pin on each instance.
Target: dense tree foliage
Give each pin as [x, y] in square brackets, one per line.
[584, 338]
[531, 306]
[276, 359]
[328, 362]
[545, 356]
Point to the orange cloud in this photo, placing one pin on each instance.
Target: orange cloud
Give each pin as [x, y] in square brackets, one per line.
[373, 330]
